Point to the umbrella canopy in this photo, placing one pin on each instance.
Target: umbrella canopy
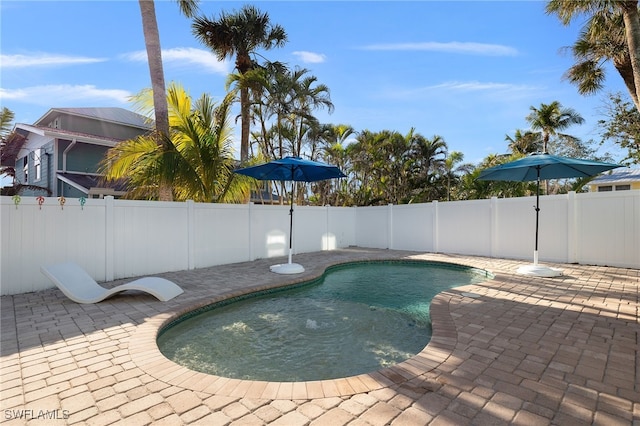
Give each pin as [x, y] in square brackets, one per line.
[293, 169]
[542, 167]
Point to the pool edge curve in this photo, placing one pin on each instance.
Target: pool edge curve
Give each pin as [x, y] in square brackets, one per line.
[145, 353]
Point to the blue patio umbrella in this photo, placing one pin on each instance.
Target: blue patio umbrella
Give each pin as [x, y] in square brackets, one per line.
[542, 167]
[293, 169]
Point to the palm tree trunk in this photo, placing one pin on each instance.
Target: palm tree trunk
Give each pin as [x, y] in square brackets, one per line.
[244, 113]
[632, 33]
[156, 71]
[623, 66]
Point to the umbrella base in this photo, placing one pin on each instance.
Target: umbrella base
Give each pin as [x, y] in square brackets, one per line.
[287, 268]
[535, 270]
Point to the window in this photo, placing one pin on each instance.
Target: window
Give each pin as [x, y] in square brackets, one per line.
[36, 163]
[605, 188]
[25, 168]
[623, 187]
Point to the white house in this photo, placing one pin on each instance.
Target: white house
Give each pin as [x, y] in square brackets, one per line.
[620, 179]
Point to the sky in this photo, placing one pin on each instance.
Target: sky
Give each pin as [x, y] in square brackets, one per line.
[465, 71]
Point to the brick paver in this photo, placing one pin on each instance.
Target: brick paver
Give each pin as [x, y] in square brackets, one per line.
[511, 350]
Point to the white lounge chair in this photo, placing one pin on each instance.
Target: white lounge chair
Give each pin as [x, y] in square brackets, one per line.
[78, 286]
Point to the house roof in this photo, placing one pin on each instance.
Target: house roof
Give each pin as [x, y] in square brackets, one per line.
[619, 175]
[85, 183]
[67, 134]
[109, 114]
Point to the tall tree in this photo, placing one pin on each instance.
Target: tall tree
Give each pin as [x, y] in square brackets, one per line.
[622, 126]
[156, 72]
[332, 150]
[279, 90]
[240, 34]
[524, 142]
[332, 141]
[11, 142]
[260, 84]
[471, 187]
[368, 160]
[612, 33]
[453, 168]
[6, 122]
[7, 163]
[427, 163]
[550, 120]
[283, 103]
[308, 97]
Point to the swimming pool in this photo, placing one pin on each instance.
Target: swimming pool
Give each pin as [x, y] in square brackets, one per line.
[356, 318]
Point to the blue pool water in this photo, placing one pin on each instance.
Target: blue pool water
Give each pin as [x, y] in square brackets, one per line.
[357, 318]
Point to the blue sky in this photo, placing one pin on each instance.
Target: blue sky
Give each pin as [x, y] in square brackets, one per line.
[466, 71]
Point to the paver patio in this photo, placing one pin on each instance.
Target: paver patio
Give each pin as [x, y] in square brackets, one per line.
[511, 350]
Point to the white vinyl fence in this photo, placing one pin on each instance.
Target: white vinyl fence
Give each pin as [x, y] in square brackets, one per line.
[115, 239]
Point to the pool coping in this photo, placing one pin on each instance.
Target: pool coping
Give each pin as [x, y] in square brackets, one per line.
[145, 353]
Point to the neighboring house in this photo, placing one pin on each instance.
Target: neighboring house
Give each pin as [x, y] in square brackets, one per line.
[621, 179]
[265, 197]
[61, 152]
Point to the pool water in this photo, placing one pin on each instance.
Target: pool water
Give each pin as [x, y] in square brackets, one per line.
[357, 318]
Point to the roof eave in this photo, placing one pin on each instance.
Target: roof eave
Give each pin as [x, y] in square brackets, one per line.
[55, 133]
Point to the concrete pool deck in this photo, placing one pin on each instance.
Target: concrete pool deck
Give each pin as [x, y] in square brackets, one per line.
[512, 350]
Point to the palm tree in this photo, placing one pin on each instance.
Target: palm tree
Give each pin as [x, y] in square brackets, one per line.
[612, 33]
[6, 122]
[156, 71]
[329, 146]
[309, 96]
[453, 168]
[240, 34]
[283, 103]
[471, 187]
[200, 153]
[601, 40]
[332, 138]
[524, 143]
[427, 163]
[551, 119]
[11, 142]
[259, 82]
[277, 96]
[6, 136]
[367, 161]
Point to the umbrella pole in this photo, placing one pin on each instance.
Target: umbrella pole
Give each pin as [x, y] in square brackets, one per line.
[535, 252]
[291, 221]
[290, 267]
[535, 269]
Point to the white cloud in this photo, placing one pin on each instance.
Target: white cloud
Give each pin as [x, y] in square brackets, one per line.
[450, 47]
[187, 57]
[44, 60]
[455, 89]
[64, 93]
[310, 57]
[474, 86]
